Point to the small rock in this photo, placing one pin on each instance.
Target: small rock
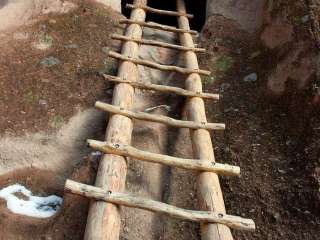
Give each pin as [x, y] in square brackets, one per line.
[276, 216]
[282, 171]
[50, 61]
[252, 77]
[42, 102]
[105, 50]
[305, 18]
[52, 21]
[96, 154]
[92, 25]
[72, 45]
[224, 86]
[21, 35]
[45, 80]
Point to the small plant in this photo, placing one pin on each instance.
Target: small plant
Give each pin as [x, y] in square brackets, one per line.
[108, 67]
[56, 121]
[224, 63]
[31, 98]
[46, 39]
[208, 79]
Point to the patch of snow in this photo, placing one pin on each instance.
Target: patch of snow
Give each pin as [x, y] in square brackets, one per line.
[39, 207]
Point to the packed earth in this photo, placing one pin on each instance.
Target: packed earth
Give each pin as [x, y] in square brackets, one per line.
[264, 62]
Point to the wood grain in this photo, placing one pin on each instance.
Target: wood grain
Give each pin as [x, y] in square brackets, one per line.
[158, 118]
[191, 164]
[129, 200]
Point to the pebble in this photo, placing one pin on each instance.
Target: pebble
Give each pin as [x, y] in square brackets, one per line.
[42, 102]
[105, 50]
[72, 45]
[252, 77]
[21, 35]
[52, 21]
[224, 86]
[305, 18]
[50, 61]
[96, 154]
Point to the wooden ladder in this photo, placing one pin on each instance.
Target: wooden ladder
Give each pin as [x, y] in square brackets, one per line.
[104, 215]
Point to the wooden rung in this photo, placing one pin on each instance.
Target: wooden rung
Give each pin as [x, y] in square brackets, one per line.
[159, 118]
[157, 43]
[129, 200]
[192, 164]
[158, 26]
[159, 11]
[157, 65]
[162, 88]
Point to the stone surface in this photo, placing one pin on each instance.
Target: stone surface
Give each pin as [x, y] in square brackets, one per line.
[159, 55]
[252, 77]
[292, 68]
[16, 13]
[277, 33]
[114, 4]
[248, 13]
[50, 61]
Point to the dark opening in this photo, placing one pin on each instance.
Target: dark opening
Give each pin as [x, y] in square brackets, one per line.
[195, 7]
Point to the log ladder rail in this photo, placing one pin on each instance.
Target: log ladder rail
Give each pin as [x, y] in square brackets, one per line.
[108, 193]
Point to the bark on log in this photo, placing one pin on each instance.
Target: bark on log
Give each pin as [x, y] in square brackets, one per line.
[158, 26]
[103, 221]
[128, 200]
[163, 88]
[159, 11]
[157, 43]
[209, 190]
[158, 118]
[192, 164]
[155, 65]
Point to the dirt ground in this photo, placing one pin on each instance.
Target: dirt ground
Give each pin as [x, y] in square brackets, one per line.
[49, 76]
[273, 137]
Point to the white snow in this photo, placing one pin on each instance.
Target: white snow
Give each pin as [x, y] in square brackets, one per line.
[39, 207]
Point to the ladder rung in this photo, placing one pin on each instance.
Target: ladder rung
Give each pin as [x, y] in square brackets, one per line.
[158, 118]
[129, 200]
[162, 88]
[157, 65]
[159, 11]
[192, 164]
[158, 26]
[157, 43]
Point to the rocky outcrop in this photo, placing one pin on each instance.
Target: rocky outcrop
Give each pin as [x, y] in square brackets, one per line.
[248, 13]
[15, 13]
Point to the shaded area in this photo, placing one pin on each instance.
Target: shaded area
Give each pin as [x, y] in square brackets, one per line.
[198, 8]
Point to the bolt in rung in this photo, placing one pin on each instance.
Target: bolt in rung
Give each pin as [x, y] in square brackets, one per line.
[129, 200]
[157, 65]
[191, 164]
[163, 88]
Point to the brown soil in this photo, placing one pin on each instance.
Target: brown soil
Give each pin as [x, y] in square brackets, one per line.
[31, 94]
[273, 139]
